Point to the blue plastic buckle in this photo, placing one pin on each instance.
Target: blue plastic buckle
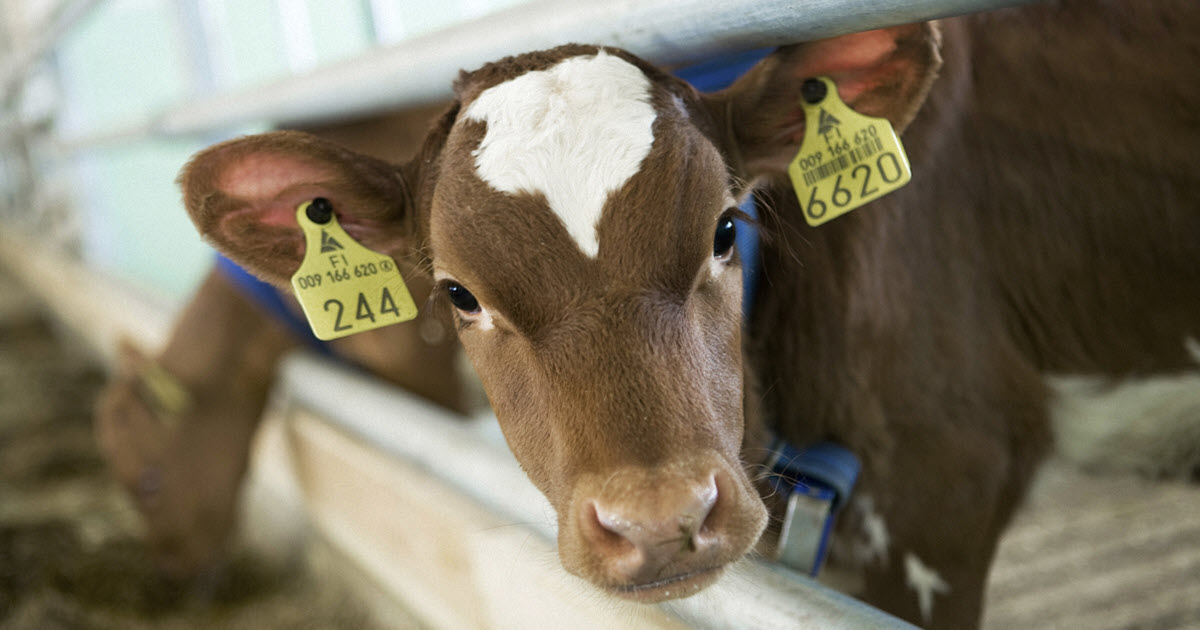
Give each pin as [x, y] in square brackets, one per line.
[817, 480]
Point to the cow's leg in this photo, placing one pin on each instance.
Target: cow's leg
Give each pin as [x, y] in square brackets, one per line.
[949, 489]
[938, 552]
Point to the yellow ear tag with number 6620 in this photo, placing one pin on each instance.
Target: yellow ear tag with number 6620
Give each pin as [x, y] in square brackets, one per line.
[846, 159]
[344, 287]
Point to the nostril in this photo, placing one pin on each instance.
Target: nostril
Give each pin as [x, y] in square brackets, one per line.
[687, 516]
[606, 528]
[714, 506]
[704, 500]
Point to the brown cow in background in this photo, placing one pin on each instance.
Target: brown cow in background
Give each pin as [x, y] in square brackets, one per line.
[177, 428]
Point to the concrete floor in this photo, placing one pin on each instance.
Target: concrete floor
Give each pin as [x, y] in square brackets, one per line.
[70, 549]
[1099, 553]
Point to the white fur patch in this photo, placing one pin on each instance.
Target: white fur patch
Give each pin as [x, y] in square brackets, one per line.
[1149, 425]
[873, 546]
[926, 582]
[1193, 348]
[574, 133]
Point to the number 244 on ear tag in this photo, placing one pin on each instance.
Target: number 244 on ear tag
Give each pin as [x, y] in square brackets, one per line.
[846, 159]
[343, 287]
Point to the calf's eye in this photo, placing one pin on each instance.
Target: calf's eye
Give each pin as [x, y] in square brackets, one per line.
[724, 237]
[461, 298]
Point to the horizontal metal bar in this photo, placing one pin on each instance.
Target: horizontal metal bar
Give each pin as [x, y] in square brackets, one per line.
[421, 70]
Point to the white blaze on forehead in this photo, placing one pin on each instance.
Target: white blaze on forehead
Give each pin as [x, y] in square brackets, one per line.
[574, 133]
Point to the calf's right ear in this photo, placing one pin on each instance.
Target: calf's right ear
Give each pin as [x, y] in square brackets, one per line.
[242, 196]
[884, 73]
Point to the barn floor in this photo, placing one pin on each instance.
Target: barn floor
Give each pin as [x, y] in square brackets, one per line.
[1087, 552]
[1099, 553]
[70, 557]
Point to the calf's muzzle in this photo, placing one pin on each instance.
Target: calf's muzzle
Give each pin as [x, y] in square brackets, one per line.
[655, 533]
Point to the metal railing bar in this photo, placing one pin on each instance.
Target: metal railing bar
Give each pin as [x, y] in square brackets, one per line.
[419, 71]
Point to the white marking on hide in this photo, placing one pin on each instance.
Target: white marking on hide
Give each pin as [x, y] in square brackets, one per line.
[873, 546]
[574, 133]
[926, 582]
[1193, 348]
[878, 539]
[483, 319]
[1149, 425]
[680, 106]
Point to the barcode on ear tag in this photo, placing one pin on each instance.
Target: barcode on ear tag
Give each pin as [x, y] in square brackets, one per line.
[846, 159]
[343, 287]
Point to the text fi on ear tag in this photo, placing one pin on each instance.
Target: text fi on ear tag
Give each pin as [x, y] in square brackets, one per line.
[344, 287]
[846, 159]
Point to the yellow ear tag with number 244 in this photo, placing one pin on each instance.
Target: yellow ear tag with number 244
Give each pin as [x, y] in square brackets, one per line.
[846, 159]
[344, 287]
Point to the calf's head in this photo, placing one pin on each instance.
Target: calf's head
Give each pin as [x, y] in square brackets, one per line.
[176, 460]
[575, 207]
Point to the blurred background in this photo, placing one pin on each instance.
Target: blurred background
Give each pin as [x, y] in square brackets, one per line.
[88, 202]
[86, 81]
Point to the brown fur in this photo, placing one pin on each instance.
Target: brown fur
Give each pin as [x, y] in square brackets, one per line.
[1051, 225]
[1048, 228]
[183, 472]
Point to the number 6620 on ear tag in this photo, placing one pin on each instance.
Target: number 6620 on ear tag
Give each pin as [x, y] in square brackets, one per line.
[343, 287]
[846, 159]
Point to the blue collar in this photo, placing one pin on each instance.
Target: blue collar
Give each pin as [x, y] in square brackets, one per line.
[267, 297]
[817, 481]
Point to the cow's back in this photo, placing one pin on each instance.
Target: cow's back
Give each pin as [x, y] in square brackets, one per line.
[1069, 162]
[1055, 200]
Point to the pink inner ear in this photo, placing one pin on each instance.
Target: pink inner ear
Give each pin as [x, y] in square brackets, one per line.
[855, 62]
[272, 185]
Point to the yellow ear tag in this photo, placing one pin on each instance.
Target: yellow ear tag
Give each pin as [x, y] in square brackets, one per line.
[344, 287]
[846, 159]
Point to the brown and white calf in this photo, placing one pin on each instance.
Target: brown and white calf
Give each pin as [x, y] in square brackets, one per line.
[573, 206]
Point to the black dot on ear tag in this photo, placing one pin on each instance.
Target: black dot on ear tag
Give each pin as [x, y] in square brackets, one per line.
[320, 211]
[813, 91]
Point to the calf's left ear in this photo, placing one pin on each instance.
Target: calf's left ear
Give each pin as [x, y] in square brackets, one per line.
[882, 73]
